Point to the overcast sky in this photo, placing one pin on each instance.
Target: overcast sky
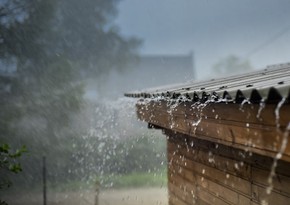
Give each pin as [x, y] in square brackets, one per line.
[212, 29]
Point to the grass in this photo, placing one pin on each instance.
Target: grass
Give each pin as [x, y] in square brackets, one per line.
[134, 180]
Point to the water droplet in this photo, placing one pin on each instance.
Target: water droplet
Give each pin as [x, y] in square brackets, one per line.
[264, 202]
[236, 166]
[211, 160]
[269, 189]
[277, 157]
[277, 111]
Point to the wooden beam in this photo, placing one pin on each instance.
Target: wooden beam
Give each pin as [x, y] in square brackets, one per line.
[249, 127]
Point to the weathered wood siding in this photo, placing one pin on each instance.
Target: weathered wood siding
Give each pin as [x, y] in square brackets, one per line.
[203, 172]
[225, 137]
[249, 126]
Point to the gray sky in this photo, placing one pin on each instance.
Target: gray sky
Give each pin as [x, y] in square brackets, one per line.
[213, 29]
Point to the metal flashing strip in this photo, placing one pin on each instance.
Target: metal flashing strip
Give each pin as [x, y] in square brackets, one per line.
[270, 85]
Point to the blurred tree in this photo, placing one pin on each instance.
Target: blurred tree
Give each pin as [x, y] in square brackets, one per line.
[231, 65]
[43, 86]
[50, 46]
[9, 111]
[88, 37]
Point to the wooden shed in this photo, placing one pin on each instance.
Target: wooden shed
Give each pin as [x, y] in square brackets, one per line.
[227, 138]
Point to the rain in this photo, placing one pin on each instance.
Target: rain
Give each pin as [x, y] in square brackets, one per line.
[68, 135]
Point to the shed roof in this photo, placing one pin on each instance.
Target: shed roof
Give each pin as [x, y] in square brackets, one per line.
[270, 84]
[248, 126]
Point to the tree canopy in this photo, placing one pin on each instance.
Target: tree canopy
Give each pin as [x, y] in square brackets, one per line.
[53, 44]
[81, 31]
[46, 49]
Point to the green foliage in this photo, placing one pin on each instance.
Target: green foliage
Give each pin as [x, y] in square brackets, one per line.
[50, 47]
[82, 31]
[136, 179]
[54, 45]
[8, 158]
[116, 181]
[9, 163]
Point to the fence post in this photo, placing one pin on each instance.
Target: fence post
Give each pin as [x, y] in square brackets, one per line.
[44, 179]
[97, 192]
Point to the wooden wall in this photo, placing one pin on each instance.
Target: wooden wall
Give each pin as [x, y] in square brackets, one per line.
[206, 173]
[228, 124]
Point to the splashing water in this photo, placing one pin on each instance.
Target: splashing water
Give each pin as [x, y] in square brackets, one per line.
[243, 103]
[261, 107]
[199, 114]
[211, 158]
[282, 148]
[113, 135]
[172, 104]
[277, 157]
[277, 112]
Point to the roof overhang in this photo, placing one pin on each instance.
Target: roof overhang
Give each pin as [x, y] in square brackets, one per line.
[249, 112]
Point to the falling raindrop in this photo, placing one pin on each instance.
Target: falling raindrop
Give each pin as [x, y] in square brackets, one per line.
[264, 202]
[211, 158]
[261, 107]
[277, 157]
[191, 143]
[236, 165]
[277, 112]
[243, 103]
